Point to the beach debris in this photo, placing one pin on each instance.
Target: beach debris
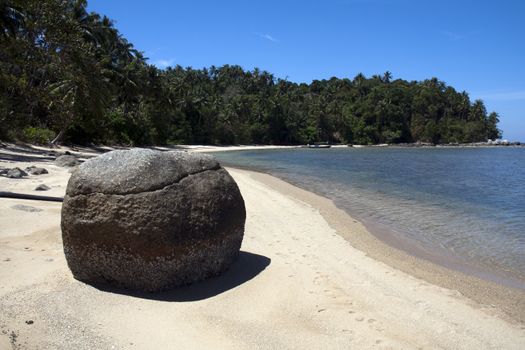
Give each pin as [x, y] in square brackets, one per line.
[42, 187]
[27, 208]
[33, 170]
[3, 171]
[30, 322]
[15, 173]
[13, 337]
[148, 220]
[67, 160]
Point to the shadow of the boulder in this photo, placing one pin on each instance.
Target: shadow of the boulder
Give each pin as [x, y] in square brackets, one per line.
[246, 267]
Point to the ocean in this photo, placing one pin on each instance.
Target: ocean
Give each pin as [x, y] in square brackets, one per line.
[463, 208]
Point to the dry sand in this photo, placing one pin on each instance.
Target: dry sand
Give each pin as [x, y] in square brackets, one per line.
[297, 284]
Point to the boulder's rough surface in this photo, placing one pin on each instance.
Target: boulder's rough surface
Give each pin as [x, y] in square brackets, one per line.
[149, 220]
[67, 161]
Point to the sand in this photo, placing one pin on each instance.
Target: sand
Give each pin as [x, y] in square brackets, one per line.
[300, 282]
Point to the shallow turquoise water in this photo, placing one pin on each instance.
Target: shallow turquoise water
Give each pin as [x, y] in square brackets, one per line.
[463, 204]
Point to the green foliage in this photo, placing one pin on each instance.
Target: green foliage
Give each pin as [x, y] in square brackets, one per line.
[67, 74]
[39, 136]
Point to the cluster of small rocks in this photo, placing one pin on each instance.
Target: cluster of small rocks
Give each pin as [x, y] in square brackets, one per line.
[67, 160]
[17, 173]
[13, 173]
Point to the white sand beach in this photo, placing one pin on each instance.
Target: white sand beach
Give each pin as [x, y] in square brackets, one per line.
[298, 284]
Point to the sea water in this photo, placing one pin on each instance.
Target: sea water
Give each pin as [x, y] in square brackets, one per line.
[464, 207]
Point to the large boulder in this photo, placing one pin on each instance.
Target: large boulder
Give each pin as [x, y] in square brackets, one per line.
[149, 220]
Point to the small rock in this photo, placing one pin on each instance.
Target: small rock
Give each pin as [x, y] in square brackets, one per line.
[33, 170]
[15, 173]
[42, 187]
[26, 208]
[67, 161]
[29, 321]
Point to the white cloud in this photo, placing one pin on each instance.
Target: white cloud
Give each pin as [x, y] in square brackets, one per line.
[268, 37]
[503, 96]
[452, 35]
[163, 63]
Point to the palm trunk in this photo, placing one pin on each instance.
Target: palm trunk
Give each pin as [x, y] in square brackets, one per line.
[58, 138]
[67, 122]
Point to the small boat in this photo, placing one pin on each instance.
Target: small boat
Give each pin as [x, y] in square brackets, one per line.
[319, 145]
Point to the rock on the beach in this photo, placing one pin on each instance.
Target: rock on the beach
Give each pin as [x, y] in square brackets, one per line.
[15, 173]
[33, 170]
[67, 161]
[42, 187]
[149, 220]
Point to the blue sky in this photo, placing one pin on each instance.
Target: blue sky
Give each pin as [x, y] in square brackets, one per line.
[477, 46]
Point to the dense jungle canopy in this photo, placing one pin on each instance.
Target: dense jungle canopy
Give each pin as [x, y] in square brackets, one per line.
[68, 75]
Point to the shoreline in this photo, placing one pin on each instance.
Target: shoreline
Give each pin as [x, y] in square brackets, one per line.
[504, 300]
[439, 257]
[442, 257]
[375, 230]
[307, 277]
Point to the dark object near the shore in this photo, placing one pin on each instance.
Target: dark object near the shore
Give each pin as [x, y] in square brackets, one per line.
[149, 220]
[30, 197]
[33, 170]
[15, 173]
[30, 322]
[42, 187]
[67, 161]
[27, 208]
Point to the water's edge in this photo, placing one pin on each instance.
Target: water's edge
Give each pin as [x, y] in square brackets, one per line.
[495, 299]
[385, 234]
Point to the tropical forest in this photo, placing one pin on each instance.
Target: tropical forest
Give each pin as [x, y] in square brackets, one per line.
[68, 76]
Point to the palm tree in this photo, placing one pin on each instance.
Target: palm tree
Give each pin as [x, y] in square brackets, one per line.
[387, 76]
[11, 18]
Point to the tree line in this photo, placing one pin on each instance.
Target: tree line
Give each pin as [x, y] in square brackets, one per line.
[68, 75]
